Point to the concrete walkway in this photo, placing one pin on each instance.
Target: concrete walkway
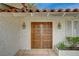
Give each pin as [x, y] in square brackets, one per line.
[36, 52]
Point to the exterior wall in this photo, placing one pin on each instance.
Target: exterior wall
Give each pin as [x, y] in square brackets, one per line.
[58, 34]
[13, 37]
[10, 41]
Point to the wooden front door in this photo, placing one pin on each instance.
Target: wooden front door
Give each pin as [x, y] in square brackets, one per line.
[41, 35]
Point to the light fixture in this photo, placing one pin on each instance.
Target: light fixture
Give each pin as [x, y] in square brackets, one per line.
[24, 25]
[59, 25]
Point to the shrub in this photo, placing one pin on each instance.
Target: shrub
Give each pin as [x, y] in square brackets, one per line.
[73, 41]
[61, 45]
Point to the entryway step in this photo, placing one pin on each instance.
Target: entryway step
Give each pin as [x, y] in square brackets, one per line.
[36, 52]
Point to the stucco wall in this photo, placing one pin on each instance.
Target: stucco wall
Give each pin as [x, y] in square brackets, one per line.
[57, 34]
[10, 41]
[13, 37]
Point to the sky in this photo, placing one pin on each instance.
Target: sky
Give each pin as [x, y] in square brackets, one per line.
[57, 5]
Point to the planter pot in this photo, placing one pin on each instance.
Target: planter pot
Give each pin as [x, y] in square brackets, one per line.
[67, 52]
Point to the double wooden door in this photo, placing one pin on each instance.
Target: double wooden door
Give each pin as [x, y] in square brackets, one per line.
[41, 35]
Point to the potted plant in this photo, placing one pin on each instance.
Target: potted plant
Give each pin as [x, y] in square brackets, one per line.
[68, 50]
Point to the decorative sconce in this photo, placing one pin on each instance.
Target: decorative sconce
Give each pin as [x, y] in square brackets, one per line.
[24, 25]
[59, 25]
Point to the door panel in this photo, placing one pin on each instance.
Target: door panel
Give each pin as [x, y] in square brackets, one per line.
[35, 35]
[47, 35]
[46, 44]
[41, 34]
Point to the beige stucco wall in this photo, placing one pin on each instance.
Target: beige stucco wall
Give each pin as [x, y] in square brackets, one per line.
[13, 37]
[10, 29]
[57, 35]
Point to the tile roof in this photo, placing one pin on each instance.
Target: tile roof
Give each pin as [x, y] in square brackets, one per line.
[37, 10]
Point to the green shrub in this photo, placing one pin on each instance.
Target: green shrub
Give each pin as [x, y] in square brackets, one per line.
[61, 45]
[73, 41]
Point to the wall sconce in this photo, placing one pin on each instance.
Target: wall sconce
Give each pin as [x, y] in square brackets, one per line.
[59, 25]
[24, 25]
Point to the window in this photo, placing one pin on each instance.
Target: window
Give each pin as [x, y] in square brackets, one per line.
[76, 28]
[68, 28]
[72, 28]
